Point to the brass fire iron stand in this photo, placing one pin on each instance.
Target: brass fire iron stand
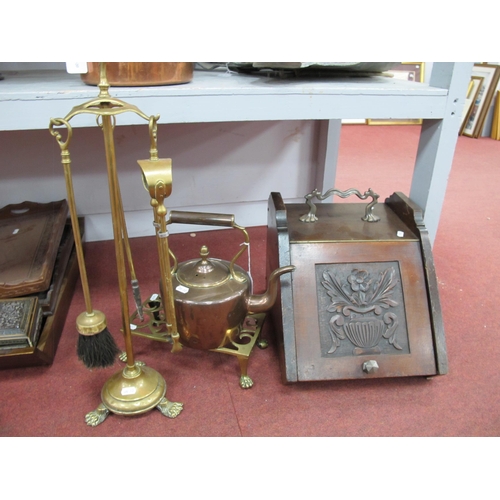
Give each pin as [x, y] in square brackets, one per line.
[137, 388]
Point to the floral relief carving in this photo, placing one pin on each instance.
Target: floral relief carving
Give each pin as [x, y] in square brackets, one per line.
[362, 308]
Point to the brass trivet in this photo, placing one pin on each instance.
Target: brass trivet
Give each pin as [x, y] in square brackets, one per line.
[154, 326]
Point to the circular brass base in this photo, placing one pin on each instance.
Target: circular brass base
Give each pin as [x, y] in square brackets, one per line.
[133, 390]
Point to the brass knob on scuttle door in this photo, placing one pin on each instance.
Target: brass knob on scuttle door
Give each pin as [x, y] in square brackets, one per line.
[370, 366]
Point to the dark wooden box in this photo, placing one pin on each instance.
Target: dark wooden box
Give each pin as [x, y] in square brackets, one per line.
[55, 303]
[363, 300]
[44, 351]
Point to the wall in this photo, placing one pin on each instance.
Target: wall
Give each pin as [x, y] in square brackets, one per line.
[223, 167]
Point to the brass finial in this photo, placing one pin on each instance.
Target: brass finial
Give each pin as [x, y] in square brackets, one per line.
[204, 251]
[103, 81]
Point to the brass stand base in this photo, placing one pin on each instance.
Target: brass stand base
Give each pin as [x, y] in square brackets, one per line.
[153, 327]
[133, 391]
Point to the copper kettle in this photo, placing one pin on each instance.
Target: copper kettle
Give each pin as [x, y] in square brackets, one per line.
[213, 296]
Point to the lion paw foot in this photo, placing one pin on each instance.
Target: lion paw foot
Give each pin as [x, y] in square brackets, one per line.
[246, 382]
[262, 344]
[169, 409]
[97, 416]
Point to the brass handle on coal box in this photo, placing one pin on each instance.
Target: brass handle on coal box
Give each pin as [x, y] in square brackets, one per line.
[210, 219]
[368, 217]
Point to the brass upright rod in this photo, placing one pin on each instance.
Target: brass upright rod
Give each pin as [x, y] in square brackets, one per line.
[133, 277]
[66, 161]
[114, 196]
[166, 277]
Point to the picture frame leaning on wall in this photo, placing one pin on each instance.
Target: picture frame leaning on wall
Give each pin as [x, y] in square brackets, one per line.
[477, 115]
[411, 71]
[475, 85]
[495, 127]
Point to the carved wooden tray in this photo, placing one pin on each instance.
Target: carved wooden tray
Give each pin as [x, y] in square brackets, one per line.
[30, 234]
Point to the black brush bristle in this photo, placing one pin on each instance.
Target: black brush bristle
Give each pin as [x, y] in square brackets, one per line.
[97, 351]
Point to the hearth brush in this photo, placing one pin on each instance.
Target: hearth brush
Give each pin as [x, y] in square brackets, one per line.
[96, 347]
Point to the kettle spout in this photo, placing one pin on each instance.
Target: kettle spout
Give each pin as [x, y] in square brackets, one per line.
[264, 302]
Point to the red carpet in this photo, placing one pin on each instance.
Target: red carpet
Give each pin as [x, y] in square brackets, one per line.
[53, 401]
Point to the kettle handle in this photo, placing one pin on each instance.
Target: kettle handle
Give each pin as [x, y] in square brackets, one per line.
[206, 219]
[210, 219]
[368, 217]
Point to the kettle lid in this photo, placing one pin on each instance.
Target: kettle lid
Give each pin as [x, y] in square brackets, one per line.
[204, 272]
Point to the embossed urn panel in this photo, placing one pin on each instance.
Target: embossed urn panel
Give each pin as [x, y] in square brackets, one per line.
[361, 309]
[362, 301]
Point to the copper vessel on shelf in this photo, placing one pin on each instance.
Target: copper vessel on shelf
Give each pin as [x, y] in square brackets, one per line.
[141, 74]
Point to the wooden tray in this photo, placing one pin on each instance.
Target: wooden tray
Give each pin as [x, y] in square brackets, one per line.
[30, 234]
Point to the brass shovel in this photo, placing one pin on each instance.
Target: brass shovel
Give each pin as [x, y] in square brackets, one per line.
[157, 179]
